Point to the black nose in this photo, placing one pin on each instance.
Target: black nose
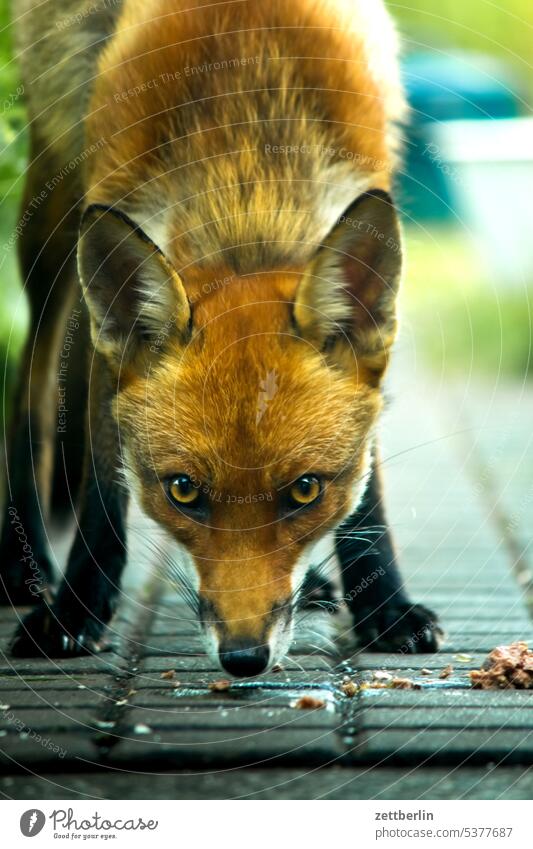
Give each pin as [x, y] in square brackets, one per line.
[244, 660]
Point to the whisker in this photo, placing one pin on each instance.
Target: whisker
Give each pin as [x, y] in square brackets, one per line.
[288, 659]
[320, 605]
[188, 593]
[304, 629]
[322, 650]
[181, 580]
[319, 569]
[321, 636]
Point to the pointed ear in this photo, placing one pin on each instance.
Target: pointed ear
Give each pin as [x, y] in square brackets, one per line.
[348, 291]
[134, 296]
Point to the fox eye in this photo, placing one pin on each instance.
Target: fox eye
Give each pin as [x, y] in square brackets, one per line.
[182, 490]
[304, 491]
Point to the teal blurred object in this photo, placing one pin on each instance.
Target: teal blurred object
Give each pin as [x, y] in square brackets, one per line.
[456, 86]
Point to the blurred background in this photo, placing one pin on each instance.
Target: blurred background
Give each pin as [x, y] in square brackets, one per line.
[457, 439]
[465, 190]
[467, 184]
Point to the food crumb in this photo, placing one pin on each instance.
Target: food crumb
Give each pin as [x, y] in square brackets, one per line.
[382, 675]
[349, 688]
[220, 686]
[506, 667]
[168, 674]
[463, 658]
[425, 671]
[446, 672]
[394, 683]
[308, 703]
[404, 684]
[141, 728]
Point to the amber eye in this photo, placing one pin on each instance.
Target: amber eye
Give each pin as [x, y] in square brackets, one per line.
[182, 490]
[305, 490]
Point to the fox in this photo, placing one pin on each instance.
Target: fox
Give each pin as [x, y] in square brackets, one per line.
[208, 219]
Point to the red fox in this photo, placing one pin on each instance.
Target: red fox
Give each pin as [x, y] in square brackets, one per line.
[216, 178]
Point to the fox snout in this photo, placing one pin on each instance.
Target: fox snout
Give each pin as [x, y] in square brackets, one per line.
[245, 641]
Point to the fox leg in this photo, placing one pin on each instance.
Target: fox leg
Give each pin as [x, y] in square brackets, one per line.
[75, 622]
[384, 617]
[48, 271]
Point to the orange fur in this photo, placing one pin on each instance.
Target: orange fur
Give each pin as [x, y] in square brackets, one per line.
[235, 133]
[186, 157]
[199, 415]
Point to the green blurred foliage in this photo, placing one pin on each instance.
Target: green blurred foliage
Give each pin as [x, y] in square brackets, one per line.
[13, 133]
[13, 154]
[499, 27]
[461, 320]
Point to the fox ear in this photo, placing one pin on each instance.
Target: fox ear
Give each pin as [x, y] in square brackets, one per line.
[134, 296]
[347, 295]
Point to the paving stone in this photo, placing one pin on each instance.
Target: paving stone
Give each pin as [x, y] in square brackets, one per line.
[333, 782]
[228, 721]
[242, 693]
[48, 750]
[54, 719]
[207, 748]
[443, 746]
[201, 663]
[483, 642]
[152, 646]
[200, 680]
[41, 683]
[450, 716]
[52, 698]
[453, 698]
[107, 662]
[414, 663]
[455, 557]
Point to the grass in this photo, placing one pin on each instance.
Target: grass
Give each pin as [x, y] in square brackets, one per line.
[460, 320]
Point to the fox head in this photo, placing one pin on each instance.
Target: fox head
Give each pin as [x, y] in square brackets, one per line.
[246, 406]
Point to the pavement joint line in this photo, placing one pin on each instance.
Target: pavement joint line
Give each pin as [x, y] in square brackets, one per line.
[478, 470]
[113, 709]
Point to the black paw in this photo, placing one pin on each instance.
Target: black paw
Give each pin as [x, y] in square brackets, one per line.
[51, 632]
[398, 627]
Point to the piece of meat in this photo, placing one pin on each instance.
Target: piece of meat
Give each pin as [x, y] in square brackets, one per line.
[446, 672]
[349, 687]
[404, 684]
[220, 686]
[169, 674]
[506, 668]
[309, 703]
